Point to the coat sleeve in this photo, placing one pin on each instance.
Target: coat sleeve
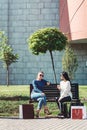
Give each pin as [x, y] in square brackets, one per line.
[35, 88]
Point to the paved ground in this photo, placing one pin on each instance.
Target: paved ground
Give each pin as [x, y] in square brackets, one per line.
[42, 124]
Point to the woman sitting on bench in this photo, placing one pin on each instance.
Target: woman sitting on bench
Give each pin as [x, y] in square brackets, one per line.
[37, 93]
[65, 92]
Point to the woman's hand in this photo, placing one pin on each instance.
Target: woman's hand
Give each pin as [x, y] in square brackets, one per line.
[43, 94]
[48, 83]
[58, 86]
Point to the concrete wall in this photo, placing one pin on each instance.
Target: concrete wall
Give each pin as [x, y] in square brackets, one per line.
[81, 73]
[19, 19]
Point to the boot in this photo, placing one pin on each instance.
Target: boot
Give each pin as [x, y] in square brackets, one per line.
[46, 111]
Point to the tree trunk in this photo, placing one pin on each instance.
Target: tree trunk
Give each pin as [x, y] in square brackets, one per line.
[55, 80]
[7, 67]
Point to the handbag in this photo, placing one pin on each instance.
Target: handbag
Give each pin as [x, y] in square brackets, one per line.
[78, 112]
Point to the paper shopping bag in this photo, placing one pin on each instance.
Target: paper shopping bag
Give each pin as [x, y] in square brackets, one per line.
[78, 112]
[26, 111]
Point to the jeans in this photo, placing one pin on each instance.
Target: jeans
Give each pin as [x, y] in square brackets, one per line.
[40, 98]
[60, 103]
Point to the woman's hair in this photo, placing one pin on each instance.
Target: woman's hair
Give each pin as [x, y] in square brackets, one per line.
[40, 72]
[65, 75]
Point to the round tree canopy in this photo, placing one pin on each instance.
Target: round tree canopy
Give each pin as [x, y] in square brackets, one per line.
[47, 39]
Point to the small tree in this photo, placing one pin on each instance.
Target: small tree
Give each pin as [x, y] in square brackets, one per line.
[69, 61]
[6, 54]
[47, 39]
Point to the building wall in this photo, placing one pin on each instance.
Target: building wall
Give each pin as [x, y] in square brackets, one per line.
[78, 18]
[73, 18]
[19, 19]
[81, 73]
[73, 23]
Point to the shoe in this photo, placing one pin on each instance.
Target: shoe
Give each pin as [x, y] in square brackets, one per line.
[60, 115]
[46, 111]
[37, 114]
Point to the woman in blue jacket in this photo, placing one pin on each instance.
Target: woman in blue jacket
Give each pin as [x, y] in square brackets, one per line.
[38, 94]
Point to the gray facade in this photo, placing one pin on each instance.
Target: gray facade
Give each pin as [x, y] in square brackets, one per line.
[19, 19]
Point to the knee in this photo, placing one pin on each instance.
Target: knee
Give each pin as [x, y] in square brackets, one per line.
[44, 97]
[41, 99]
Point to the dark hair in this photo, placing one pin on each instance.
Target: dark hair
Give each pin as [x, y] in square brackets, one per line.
[65, 75]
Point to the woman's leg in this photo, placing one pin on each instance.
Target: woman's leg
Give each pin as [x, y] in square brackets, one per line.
[41, 101]
[60, 103]
[39, 97]
[57, 102]
[35, 95]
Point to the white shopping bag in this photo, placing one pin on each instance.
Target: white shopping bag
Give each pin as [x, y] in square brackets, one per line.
[78, 112]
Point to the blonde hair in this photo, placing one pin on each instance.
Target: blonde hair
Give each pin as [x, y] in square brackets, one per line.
[40, 72]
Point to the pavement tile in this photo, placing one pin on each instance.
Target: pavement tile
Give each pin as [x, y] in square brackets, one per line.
[42, 124]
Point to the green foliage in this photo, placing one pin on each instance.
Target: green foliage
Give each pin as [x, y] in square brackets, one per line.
[11, 97]
[14, 90]
[3, 38]
[69, 61]
[46, 39]
[6, 52]
[83, 92]
[11, 107]
[8, 57]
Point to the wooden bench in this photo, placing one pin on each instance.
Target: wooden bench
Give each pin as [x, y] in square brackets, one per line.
[52, 92]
